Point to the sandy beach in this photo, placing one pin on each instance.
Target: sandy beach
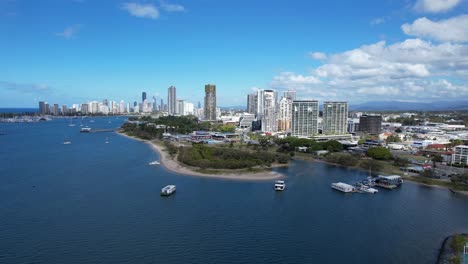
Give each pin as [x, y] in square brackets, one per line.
[174, 166]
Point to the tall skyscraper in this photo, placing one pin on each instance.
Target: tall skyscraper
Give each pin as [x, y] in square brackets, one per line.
[335, 118]
[266, 109]
[105, 102]
[64, 110]
[252, 103]
[155, 104]
[305, 118]
[42, 108]
[290, 94]
[285, 114]
[171, 100]
[143, 96]
[55, 109]
[210, 102]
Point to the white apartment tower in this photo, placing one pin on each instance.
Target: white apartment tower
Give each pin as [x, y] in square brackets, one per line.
[335, 118]
[266, 110]
[305, 118]
[285, 114]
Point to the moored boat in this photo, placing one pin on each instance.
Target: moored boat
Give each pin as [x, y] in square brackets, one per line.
[343, 187]
[367, 189]
[168, 190]
[85, 129]
[389, 182]
[280, 185]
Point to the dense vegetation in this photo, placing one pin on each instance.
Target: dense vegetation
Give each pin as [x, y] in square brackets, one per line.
[379, 153]
[202, 156]
[292, 143]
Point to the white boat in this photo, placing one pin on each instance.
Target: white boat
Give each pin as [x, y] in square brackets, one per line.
[367, 189]
[168, 190]
[343, 187]
[85, 130]
[154, 163]
[71, 123]
[66, 142]
[280, 185]
[107, 141]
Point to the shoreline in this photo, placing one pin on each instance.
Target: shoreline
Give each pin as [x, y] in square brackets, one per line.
[174, 166]
[405, 177]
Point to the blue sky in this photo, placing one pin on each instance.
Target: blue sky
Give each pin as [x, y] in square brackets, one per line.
[73, 51]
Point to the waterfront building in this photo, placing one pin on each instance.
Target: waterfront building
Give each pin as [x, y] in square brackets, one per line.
[460, 155]
[335, 117]
[371, 124]
[42, 108]
[171, 100]
[55, 109]
[252, 103]
[143, 96]
[122, 107]
[94, 107]
[285, 114]
[266, 110]
[84, 109]
[210, 102]
[64, 110]
[305, 118]
[105, 102]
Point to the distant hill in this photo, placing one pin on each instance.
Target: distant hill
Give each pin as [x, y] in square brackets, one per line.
[407, 106]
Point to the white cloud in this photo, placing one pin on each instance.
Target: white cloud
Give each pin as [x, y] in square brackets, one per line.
[26, 87]
[435, 6]
[141, 10]
[172, 7]
[453, 29]
[69, 32]
[377, 21]
[411, 69]
[318, 55]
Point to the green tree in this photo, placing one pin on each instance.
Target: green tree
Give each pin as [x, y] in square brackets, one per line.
[332, 146]
[427, 173]
[379, 153]
[227, 128]
[371, 165]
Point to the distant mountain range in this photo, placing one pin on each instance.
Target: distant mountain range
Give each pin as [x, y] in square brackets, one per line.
[407, 106]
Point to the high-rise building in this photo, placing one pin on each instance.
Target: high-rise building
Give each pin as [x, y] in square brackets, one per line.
[290, 94]
[266, 110]
[371, 124]
[64, 110]
[335, 118]
[135, 104]
[155, 104]
[143, 96]
[305, 118]
[122, 107]
[210, 102]
[55, 109]
[85, 109]
[161, 105]
[171, 100]
[252, 103]
[285, 114]
[42, 107]
[105, 102]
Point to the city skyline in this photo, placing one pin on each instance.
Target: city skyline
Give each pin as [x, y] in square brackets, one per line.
[83, 50]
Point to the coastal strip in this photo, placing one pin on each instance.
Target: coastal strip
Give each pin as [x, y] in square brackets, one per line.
[174, 166]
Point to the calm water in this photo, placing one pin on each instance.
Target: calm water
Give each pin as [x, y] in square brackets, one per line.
[91, 202]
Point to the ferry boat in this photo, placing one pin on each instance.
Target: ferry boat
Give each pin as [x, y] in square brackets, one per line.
[85, 130]
[343, 187]
[280, 185]
[154, 163]
[168, 190]
[389, 182]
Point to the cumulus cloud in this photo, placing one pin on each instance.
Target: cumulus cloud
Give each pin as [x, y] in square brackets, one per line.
[26, 87]
[141, 10]
[413, 68]
[435, 6]
[172, 7]
[453, 29]
[69, 32]
[318, 55]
